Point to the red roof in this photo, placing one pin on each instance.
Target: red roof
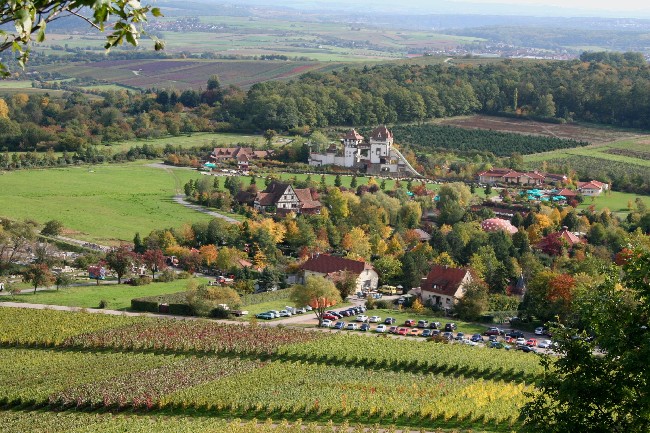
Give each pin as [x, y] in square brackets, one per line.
[535, 175]
[381, 133]
[567, 192]
[513, 174]
[353, 135]
[594, 184]
[326, 264]
[444, 280]
[496, 172]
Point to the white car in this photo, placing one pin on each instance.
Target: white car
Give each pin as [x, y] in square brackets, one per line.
[326, 323]
[520, 342]
[381, 328]
[375, 319]
[539, 331]
[361, 318]
[285, 313]
[545, 344]
[351, 326]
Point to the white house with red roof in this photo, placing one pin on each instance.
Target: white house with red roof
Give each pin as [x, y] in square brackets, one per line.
[592, 188]
[443, 286]
[507, 175]
[333, 267]
[243, 155]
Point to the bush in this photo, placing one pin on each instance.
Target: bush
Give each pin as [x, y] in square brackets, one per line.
[219, 313]
[183, 275]
[141, 281]
[180, 310]
[145, 304]
[167, 276]
[260, 298]
[383, 304]
[103, 304]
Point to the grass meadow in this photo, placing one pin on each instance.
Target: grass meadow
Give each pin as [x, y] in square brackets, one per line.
[118, 297]
[103, 203]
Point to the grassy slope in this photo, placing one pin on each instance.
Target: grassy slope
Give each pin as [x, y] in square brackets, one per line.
[118, 297]
[194, 140]
[105, 203]
[595, 151]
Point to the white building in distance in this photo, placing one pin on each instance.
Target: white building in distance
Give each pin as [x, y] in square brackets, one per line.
[375, 156]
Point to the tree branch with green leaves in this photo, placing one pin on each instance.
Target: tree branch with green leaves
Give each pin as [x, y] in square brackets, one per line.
[30, 19]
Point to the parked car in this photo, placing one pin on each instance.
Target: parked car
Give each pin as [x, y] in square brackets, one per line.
[516, 334]
[460, 336]
[389, 321]
[542, 330]
[448, 335]
[414, 331]
[393, 330]
[364, 327]
[449, 327]
[493, 331]
[526, 349]
[326, 324]
[265, 316]
[274, 312]
[285, 313]
[351, 326]
[496, 345]
[492, 338]
[375, 319]
[435, 325]
[423, 323]
[520, 341]
[339, 325]
[329, 316]
[300, 310]
[426, 333]
[361, 318]
[477, 338]
[345, 313]
[402, 331]
[381, 328]
[532, 342]
[409, 322]
[435, 332]
[545, 344]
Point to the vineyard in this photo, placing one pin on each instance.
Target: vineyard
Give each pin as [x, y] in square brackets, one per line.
[196, 373]
[430, 137]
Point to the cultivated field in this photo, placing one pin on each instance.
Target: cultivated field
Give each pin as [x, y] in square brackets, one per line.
[198, 373]
[590, 133]
[101, 203]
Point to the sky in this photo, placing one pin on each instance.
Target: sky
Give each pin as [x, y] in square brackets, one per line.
[623, 7]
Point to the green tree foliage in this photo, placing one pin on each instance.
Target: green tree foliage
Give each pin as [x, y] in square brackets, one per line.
[52, 228]
[204, 299]
[30, 19]
[473, 303]
[120, 260]
[600, 381]
[39, 275]
[317, 292]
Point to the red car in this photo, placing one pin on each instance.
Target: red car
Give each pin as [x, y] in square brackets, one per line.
[531, 342]
[402, 331]
[329, 316]
[409, 322]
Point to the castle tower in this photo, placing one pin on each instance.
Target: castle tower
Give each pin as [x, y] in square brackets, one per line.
[381, 140]
[351, 142]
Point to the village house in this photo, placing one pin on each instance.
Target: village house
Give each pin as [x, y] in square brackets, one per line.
[242, 155]
[282, 198]
[509, 176]
[592, 188]
[553, 243]
[375, 156]
[333, 267]
[443, 286]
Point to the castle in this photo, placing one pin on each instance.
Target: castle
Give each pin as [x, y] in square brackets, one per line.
[375, 156]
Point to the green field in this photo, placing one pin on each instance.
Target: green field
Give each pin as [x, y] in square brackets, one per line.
[200, 139]
[600, 151]
[614, 201]
[102, 203]
[117, 297]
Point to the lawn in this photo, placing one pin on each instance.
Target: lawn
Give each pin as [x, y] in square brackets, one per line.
[117, 297]
[615, 201]
[104, 203]
[194, 140]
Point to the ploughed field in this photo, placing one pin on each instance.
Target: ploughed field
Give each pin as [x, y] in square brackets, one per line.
[196, 374]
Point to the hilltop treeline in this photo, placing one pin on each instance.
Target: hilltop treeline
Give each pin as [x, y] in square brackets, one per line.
[609, 89]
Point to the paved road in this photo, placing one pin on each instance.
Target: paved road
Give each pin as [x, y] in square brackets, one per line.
[179, 198]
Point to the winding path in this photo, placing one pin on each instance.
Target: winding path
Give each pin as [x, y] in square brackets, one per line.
[178, 198]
